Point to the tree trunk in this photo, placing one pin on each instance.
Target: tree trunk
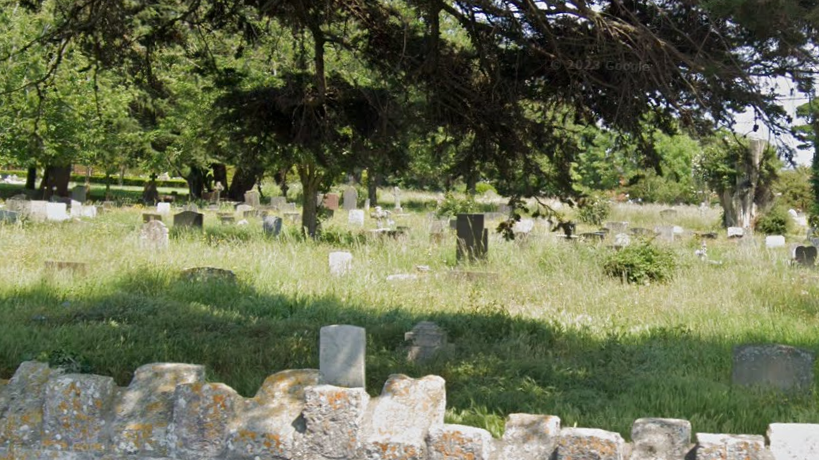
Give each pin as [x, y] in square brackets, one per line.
[310, 186]
[196, 182]
[55, 180]
[372, 187]
[739, 208]
[31, 178]
[471, 183]
[219, 174]
[243, 180]
[281, 180]
[814, 167]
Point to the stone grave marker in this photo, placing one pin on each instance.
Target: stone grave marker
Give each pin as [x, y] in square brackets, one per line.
[292, 216]
[243, 208]
[330, 201]
[473, 238]
[778, 367]
[189, 219]
[356, 217]
[621, 240]
[191, 207]
[437, 230]
[616, 227]
[774, 241]
[217, 192]
[396, 193]
[342, 350]
[18, 203]
[78, 193]
[340, 263]
[523, 226]
[8, 217]
[278, 202]
[154, 235]
[289, 207]
[163, 208]
[148, 216]
[252, 198]
[89, 211]
[735, 232]
[350, 198]
[805, 255]
[272, 225]
[794, 441]
[56, 212]
[226, 217]
[209, 274]
[37, 210]
[367, 205]
[665, 232]
[75, 210]
[668, 214]
[427, 339]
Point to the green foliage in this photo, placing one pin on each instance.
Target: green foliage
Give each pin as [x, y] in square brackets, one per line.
[594, 210]
[453, 205]
[641, 263]
[793, 189]
[775, 221]
[481, 188]
[651, 188]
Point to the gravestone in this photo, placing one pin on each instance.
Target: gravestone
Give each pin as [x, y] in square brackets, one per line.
[75, 211]
[735, 232]
[8, 217]
[191, 207]
[774, 241]
[427, 339]
[668, 214]
[778, 367]
[56, 212]
[330, 202]
[621, 240]
[350, 198]
[665, 232]
[89, 211]
[617, 227]
[163, 208]
[209, 274]
[367, 205]
[342, 351]
[805, 255]
[78, 193]
[437, 230]
[340, 263]
[252, 198]
[289, 207]
[37, 210]
[217, 192]
[523, 226]
[148, 216]
[794, 441]
[396, 193]
[243, 208]
[18, 203]
[154, 235]
[272, 225]
[473, 238]
[188, 219]
[356, 217]
[226, 217]
[278, 202]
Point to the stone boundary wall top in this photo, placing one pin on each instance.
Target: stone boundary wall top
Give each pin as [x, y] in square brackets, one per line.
[169, 412]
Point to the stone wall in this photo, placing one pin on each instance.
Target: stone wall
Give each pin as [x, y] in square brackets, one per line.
[169, 412]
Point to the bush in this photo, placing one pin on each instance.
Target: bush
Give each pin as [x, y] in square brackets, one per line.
[641, 263]
[452, 206]
[481, 188]
[594, 211]
[776, 221]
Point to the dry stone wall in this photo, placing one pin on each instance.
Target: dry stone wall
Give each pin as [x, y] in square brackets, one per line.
[169, 412]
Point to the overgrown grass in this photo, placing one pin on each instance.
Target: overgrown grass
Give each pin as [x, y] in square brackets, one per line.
[549, 333]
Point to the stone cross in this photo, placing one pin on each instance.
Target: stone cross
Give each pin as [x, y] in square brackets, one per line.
[341, 356]
[217, 191]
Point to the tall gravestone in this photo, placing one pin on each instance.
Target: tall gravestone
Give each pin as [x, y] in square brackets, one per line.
[341, 356]
[252, 198]
[78, 193]
[473, 238]
[350, 199]
[189, 219]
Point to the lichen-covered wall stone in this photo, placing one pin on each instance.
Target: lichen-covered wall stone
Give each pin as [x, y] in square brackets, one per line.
[530, 437]
[76, 412]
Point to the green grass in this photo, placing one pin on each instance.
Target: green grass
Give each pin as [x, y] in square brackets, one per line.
[550, 333]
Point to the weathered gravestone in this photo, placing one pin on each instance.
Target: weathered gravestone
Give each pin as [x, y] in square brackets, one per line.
[736, 232]
[163, 208]
[226, 217]
[154, 235]
[427, 339]
[616, 227]
[75, 210]
[356, 217]
[437, 230]
[350, 198]
[396, 193]
[621, 240]
[523, 227]
[340, 263]
[89, 211]
[189, 219]
[330, 202]
[56, 212]
[778, 367]
[37, 210]
[665, 232]
[209, 274]
[660, 439]
[18, 203]
[272, 225]
[342, 350]
[794, 441]
[79, 193]
[191, 207]
[805, 255]
[149, 216]
[278, 202]
[668, 214]
[252, 198]
[774, 241]
[8, 217]
[473, 238]
[243, 208]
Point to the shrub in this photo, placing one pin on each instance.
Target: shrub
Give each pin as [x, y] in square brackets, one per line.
[481, 188]
[452, 206]
[641, 263]
[594, 211]
[774, 222]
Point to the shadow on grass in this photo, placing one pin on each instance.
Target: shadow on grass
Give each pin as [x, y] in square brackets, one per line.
[499, 364]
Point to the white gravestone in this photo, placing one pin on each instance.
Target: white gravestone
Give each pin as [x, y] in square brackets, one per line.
[774, 241]
[356, 217]
[794, 441]
[56, 212]
[76, 209]
[340, 263]
[154, 235]
[735, 232]
[37, 210]
[341, 356]
[163, 208]
[524, 226]
[89, 211]
[242, 208]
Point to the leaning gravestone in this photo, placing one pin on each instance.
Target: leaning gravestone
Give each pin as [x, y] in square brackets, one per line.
[340, 263]
[356, 217]
[154, 235]
[272, 225]
[427, 339]
[805, 255]
[350, 199]
[736, 232]
[473, 238]
[252, 198]
[188, 219]
[774, 241]
[78, 193]
[778, 367]
[341, 356]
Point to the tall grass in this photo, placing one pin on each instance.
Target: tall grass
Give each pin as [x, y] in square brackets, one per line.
[548, 332]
